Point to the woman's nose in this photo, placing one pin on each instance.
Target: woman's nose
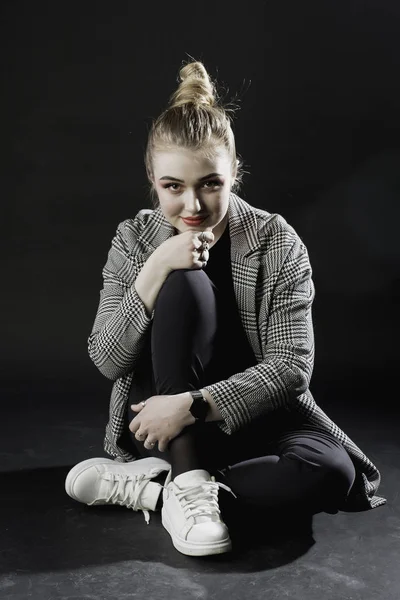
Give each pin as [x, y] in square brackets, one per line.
[192, 203]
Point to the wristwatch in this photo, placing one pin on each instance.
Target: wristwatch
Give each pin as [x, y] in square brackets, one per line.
[199, 407]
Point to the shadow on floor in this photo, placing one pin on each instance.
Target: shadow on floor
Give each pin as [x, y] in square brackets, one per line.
[45, 530]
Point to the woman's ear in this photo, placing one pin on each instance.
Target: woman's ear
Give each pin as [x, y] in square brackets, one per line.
[234, 173]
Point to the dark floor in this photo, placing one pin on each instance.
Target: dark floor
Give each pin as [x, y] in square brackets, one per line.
[53, 547]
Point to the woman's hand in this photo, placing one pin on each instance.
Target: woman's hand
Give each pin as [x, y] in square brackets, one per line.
[183, 251]
[162, 419]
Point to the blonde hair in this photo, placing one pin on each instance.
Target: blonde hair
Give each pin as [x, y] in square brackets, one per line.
[195, 120]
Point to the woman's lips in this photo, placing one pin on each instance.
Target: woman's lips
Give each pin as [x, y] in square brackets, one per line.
[194, 221]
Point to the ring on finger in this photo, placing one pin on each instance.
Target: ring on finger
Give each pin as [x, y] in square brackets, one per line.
[202, 258]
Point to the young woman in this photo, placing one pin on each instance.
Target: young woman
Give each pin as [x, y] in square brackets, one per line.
[204, 325]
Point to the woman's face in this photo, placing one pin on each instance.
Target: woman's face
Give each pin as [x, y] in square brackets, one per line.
[197, 193]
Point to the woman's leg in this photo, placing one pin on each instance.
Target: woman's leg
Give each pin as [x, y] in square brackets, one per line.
[183, 330]
[304, 467]
[307, 470]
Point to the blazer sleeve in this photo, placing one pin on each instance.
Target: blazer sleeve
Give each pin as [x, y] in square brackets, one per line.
[285, 372]
[117, 336]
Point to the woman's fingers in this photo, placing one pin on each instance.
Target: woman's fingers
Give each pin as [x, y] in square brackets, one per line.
[203, 253]
[197, 244]
[208, 236]
[150, 445]
[162, 445]
[203, 243]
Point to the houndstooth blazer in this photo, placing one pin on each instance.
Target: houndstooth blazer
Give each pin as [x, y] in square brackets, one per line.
[274, 291]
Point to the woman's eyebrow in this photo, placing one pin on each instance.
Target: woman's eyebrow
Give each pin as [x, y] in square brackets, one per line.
[201, 178]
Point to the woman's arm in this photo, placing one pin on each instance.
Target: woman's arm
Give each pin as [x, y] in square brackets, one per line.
[214, 413]
[150, 280]
[288, 340]
[122, 318]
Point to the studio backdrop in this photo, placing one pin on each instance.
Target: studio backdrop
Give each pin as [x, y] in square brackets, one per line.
[317, 128]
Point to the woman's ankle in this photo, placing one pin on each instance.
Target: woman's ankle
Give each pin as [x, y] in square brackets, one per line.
[183, 453]
[160, 478]
[159, 501]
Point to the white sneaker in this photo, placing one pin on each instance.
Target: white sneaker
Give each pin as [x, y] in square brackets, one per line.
[106, 481]
[191, 515]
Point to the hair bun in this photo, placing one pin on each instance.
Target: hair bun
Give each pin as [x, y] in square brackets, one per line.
[196, 86]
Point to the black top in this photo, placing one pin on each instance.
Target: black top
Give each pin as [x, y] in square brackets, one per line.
[232, 351]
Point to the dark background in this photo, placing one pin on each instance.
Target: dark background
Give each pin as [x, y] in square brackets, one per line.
[318, 129]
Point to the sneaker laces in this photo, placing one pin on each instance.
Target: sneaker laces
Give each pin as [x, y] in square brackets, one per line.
[127, 489]
[201, 500]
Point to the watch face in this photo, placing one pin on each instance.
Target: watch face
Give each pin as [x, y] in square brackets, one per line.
[199, 406]
[197, 411]
[194, 409]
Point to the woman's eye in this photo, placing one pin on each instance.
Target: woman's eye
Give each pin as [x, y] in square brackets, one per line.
[214, 182]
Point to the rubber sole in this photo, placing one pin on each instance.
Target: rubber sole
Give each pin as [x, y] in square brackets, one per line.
[191, 548]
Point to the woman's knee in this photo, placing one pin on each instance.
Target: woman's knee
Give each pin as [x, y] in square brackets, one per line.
[185, 278]
[340, 472]
[190, 286]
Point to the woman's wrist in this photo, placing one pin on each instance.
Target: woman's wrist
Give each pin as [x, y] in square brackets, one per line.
[213, 412]
[186, 404]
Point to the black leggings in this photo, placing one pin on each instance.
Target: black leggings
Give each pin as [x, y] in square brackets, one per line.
[296, 466]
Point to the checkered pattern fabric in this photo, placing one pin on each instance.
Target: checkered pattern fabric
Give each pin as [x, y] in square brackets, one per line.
[274, 290]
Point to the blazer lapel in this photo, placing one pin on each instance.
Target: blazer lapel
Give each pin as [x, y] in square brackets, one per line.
[245, 251]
